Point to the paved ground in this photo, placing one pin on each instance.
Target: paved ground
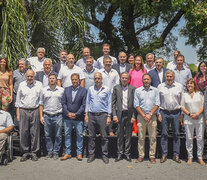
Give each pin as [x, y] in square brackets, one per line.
[97, 170]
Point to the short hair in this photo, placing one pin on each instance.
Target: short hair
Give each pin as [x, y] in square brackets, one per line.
[159, 58]
[169, 71]
[24, 60]
[47, 59]
[150, 54]
[177, 51]
[89, 57]
[52, 74]
[75, 74]
[193, 81]
[63, 51]
[124, 73]
[145, 74]
[180, 55]
[86, 47]
[122, 52]
[106, 58]
[31, 71]
[106, 44]
[41, 48]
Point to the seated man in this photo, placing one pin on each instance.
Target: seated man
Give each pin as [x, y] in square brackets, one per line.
[6, 126]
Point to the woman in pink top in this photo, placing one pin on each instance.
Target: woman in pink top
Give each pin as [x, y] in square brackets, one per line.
[135, 79]
[6, 84]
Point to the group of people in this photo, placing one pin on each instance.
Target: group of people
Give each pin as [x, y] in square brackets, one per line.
[93, 97]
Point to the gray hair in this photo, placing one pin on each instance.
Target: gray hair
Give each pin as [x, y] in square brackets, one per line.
[48, 59]
[75, 74]
[169, 71]
[159, 58]
[106, 58]
[150, 54]
[24, 60]
[41, 48]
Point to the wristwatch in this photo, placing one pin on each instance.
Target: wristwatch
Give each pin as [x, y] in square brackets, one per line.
[151, 114]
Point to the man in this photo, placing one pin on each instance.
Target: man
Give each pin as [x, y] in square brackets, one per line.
[98, 115]
[89, 72]
[123, 66]
[51, 116]
[64, 76]
[59, 65]
[36, 62]
[6, 126]
[124, 115]
[172, 65]
[146, 102]
[82, 62]
[182, 74]
[149, 62]
[27, 103]
[42, 76]
[106, 51]
[158, 73]
[18, 77]
[170, 93]
[73, 102]
[110, 79]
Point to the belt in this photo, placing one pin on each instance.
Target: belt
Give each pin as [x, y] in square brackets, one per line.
[29, 109]
[125, 111]
[97, 113]
[52, 115]
[171, 111]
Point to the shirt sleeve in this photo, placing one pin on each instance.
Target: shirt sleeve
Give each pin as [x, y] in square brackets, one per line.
[17, 103]
[88, 100]
[136, 99]
[157, 98]
[9, 121]
[41, 97]
[109, 102]
[82, 76]
[60, 75]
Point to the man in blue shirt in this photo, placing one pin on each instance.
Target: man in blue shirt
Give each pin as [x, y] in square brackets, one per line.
[98, 114]
[146, 102]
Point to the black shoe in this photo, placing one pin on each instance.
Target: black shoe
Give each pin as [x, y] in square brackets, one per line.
[128, 158]
[55, 156]
[119, 158]
[49, 156]
[24, 158]
[90, 158]
[105, 159]
[34, 157]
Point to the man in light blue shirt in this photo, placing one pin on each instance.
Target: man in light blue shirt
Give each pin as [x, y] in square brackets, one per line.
[98, 114]
[146, 102]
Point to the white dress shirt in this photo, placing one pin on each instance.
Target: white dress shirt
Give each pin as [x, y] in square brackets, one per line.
[6, 120]
[125, 98]
[160, 74]
[148, 68]
[101, 64]
[36, 63]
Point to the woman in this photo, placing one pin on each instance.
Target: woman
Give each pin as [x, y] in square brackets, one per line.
[6, 84]
[131, 59]
[135, 79]
[192, 104]
[201, 77]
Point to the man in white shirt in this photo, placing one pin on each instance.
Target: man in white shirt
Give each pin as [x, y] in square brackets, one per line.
[59, 65]
[149, 62]
[106, 51]
[36, 62]
[64, 76]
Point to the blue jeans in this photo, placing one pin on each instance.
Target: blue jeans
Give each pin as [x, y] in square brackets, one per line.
[167, 118]
[53, 130]
[78, 125]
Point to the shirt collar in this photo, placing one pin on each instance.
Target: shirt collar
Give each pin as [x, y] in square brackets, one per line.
[49, 89]
[159, 71]
[75, 89]
[125, 88]
[87, 71]
[143, 88]
[31, 85]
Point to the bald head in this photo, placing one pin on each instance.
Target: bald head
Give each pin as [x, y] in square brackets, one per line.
[30, 76]
[47, 65]
[98, 79]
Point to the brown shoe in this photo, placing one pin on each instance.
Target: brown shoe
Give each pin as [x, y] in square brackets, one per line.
[201, 162]
[163, 159]
[79, 157]
[152, 160]
[139, 160]
[65, 157]
[176, 159]
[189, 162]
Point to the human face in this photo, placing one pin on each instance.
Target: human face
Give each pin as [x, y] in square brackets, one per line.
[180, 61]
[75, 81]
[175, 54]
[146, 81]
[131, 59]
[98, 79]
[40, 53]
[150, 60]
[138, 62]
[89, 62]
[52, 80]
[124, 79]
[86, 52]
[30, 76]
[159, 64]
[190, 86]
[122, 57]
[22, 66]
[47, 66]
[107, 64]
[70, 60]
[203, 68]
[169, 78]
[63, 56]
[3, 64]
[106, 50]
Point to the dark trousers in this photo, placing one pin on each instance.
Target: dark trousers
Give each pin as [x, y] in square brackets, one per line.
[172, 117]
[29, 130]
[16, 123]
[124, 129]
[97, 121]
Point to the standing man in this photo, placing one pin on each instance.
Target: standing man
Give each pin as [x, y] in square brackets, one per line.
[124, 115]
[27, 103]
[146, 102]
[73, 102]
[51, 116]
[42, 76]
[158, 73]
[36, 62]
[149, 62]
[123, 66]
[59, 65]
[170, 93]
[98, 115]
[106, 51]
[182, 74]
[82, 62]
[64, 76]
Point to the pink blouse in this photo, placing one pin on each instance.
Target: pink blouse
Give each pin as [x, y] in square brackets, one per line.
[135, 77]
